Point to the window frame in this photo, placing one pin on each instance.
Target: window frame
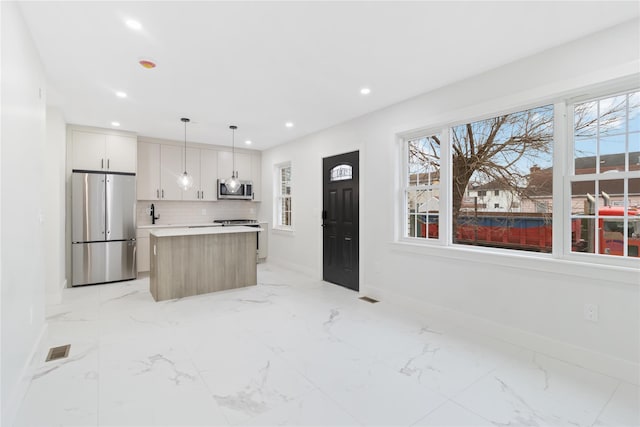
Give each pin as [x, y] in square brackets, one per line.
[561, 161]
[279, 197]
[570, 177]
[406, 188]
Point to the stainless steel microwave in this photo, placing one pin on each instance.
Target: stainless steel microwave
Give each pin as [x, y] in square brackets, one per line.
[244, 193]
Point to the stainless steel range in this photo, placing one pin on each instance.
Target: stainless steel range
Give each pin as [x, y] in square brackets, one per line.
[249, 223]
[227, 222]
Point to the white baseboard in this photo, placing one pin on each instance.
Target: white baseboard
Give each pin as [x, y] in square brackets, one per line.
[20, 389]
[623, 370]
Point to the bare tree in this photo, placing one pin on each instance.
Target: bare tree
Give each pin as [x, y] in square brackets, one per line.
[493, 150]
[499, 150]
[502, 149]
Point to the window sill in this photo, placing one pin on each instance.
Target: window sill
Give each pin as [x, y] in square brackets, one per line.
[528, 260]
[285, 231]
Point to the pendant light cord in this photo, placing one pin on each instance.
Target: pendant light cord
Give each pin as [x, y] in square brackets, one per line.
[233, 150]
[185, 121]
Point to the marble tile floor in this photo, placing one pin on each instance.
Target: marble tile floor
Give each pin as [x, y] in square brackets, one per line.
[295, 351]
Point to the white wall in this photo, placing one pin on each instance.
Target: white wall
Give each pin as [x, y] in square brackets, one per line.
[22, 186]
[537, 303]
[54, 200]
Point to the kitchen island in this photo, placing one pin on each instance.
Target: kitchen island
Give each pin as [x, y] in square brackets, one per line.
[193, 261]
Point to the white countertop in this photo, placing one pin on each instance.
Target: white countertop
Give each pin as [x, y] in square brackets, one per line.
[204, 224]
[185, 231]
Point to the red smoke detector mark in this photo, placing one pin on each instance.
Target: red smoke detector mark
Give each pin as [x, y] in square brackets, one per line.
[147, 64]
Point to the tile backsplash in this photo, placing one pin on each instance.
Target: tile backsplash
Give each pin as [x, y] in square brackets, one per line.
[183, 212]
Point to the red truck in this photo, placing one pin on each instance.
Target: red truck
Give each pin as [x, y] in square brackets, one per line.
[533, 232]
[610, 232]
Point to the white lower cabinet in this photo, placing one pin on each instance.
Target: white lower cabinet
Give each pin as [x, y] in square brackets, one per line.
[142, 246]
[263, 241]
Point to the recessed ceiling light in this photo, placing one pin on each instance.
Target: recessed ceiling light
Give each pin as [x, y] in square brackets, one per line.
[247, 142]
[134, 25]
[365, 91]
[289, 124]
[121, 94]
[116, 124]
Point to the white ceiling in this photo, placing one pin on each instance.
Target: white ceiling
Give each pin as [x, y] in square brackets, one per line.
[261, 64]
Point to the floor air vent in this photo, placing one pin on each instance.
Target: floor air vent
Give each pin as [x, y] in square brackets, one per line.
[56, 353]
[367, 299]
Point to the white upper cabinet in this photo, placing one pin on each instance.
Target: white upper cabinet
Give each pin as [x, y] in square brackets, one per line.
[242, 162]
[256, 175]
[193, 168]
[202, 165]
[160, 165]
[87, 150]
[121, 153]
[98, 151]
[148, 178]
[158, 169]
[171, 167]
[208, 174]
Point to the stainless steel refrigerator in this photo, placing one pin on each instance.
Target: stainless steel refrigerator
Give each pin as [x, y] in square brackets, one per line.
[103, 227]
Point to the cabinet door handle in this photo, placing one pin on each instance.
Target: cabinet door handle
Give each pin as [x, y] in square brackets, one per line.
[202, 194]
[157, 193]
[101, 163]
[198, 194]
[163, 193]
[108, 163]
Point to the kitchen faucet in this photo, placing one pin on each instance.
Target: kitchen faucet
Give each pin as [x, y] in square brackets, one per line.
[153, 214]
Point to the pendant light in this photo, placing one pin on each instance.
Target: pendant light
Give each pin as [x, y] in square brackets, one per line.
[185, 181]
[233, 183]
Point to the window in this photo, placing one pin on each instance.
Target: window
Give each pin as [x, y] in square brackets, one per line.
[514, 153]
[605, 184]
[499, 174]
[422, 187]
[283, 197]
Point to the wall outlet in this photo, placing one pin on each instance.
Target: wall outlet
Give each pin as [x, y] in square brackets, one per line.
[591, 312]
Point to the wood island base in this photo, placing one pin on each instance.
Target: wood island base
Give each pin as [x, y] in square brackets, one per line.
[199, 262]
